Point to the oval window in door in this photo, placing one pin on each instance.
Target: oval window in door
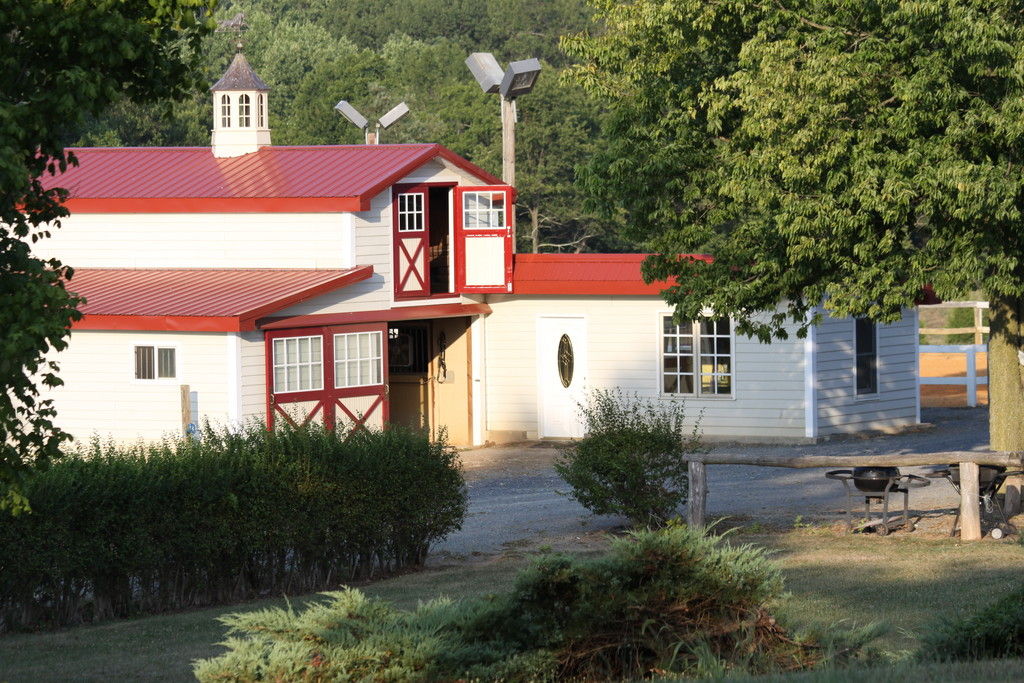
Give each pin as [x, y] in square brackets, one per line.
[565, 360]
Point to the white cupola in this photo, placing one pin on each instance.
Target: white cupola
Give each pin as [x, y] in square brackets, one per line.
[240, 111]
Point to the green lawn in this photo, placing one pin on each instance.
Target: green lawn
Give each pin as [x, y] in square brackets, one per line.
[906, 581]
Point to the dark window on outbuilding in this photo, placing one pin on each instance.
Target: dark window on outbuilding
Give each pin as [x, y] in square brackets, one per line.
[866, 352]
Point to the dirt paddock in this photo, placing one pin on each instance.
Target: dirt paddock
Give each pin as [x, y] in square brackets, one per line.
[950, 365]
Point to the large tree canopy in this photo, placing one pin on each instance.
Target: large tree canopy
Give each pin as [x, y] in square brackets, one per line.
[849, 152]
[59, 62]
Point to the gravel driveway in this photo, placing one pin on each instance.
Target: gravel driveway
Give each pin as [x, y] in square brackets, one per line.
[517, 501]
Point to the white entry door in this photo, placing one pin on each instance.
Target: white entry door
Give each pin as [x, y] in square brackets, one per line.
[561, 375]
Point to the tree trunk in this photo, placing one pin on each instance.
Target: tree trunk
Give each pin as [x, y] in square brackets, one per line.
[535, 228]
[1005, 376]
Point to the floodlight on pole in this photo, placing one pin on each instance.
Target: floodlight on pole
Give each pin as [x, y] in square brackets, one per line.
[360, 121]
[510, 83]
[400, 110]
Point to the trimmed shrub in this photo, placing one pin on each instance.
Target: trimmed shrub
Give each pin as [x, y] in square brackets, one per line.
[993, 632]
[629, 463]
[668, 602]
[119, 530]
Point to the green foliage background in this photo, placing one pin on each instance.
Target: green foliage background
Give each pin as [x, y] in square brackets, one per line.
[61, 62]
[374, 55]
[116, 531]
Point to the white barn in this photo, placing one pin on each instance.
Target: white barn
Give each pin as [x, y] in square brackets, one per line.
[377, 283]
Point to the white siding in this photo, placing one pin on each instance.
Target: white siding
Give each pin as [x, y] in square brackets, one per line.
[373, 248]
[440, 171]
[624, 337]
[840, 410]
[101, 396]
[253, 377]
[186, 240]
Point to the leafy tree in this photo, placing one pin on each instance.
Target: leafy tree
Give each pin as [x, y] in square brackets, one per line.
[823, 151]
[59, 63]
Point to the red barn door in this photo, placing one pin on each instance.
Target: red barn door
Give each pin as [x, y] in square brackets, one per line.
[484, 226]
[411, 212]
[335, 374]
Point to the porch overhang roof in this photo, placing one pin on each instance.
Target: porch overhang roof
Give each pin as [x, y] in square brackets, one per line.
[425, 312]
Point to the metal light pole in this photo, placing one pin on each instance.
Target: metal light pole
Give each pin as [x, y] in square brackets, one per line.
[510, 83]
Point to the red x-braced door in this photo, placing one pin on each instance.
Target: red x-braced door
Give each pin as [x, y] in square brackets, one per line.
[334, 374]
[412, 241]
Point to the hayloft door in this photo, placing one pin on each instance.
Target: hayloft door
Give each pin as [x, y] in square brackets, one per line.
[484, 229]
[411, 241]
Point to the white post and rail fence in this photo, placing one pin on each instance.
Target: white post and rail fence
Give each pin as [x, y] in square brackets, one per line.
[971, 379]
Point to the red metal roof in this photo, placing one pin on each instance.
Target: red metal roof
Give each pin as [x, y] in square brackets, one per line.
[596, 274]
[182, 179]
[211, 300]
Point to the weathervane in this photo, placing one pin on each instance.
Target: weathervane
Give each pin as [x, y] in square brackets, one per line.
[235, 24]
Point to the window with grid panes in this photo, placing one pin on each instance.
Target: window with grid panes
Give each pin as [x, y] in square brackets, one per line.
[244, 117]
[298, 364]
[154, 362]
[358, 361]
[225, 111]
[696, 358]
[410, 212]
[483, 210]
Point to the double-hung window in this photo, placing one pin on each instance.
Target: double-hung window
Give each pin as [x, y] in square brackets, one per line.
[155, 362]
[358, 359]
[866, 354]
[696, 358]
[298, 364]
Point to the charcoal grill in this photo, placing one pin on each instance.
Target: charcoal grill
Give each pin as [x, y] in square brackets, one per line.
[990, 480]
[877, 484]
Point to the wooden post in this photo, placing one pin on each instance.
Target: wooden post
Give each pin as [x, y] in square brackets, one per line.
[696, 506]
[508, 141]
[186, 408]
[970, 512]
[977, 325]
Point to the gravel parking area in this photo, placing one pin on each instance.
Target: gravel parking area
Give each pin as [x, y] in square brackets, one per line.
[517, 502]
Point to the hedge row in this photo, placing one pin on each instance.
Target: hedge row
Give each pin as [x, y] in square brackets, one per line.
[118, 530]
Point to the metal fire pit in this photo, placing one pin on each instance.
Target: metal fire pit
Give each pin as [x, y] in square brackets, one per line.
[990, 480]
[877, 483]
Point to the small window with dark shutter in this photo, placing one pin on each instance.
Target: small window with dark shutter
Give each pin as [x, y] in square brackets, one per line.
[866, 352]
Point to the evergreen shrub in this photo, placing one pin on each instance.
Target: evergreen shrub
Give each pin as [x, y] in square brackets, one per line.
[993, 632]
[119, 530]
[669, 602]
[630, 461]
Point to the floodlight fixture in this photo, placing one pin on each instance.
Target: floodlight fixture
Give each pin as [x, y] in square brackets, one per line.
[519, 78]
[350, 113]
[400, 110]
[486, 70]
